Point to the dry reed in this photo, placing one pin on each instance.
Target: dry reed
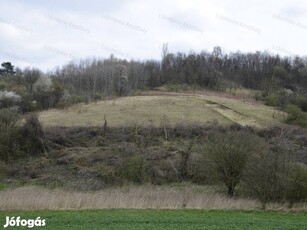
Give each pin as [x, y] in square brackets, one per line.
[37, 198]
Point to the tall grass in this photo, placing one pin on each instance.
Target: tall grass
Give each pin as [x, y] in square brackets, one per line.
[37, 198]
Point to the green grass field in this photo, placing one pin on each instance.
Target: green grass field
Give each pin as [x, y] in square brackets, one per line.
[163, 219]
[165, 108]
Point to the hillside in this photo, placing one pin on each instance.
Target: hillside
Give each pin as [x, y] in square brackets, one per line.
[72, 151]
[157, 108]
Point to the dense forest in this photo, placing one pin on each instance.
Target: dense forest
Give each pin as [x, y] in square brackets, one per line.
[279, 81]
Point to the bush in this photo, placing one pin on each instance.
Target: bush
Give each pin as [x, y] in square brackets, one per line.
[2, 186]
[259, 96]
[61, 105]
[3, 171]
[229, 153]
[75, 99]
[108, 175]
[9, 99]
[8, 133]
[296, 116]
[98, 96]
[293, 103]
[134, 169]
[277, 99]
[180, 87]
[201, 171]
[172, 88]
[274, 177]
[272, 100]
[302, 103]
[268, 173]
[297, 187]
[33, 136]
[2, 85]
[27, 105]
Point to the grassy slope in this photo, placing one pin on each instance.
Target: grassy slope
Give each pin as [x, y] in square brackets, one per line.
[169, 108]
[164, 219]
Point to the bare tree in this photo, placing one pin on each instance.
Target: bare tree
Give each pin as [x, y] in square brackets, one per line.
[30, 77]
[164, 50]
[121, 79]
[229, 152]
[272, 175]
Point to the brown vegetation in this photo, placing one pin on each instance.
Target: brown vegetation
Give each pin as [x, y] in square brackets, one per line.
[36, 198]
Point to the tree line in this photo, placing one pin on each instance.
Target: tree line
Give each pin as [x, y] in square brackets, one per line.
[281, 81]
[215, 70]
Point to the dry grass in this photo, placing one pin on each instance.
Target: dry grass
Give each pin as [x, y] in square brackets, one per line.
[144, 197]
[37, 198]
[170, 108]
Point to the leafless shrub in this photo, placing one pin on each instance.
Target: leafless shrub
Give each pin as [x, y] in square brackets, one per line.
[229, 153]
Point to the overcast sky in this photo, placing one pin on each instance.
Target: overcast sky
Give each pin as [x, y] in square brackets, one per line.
[46, 34]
